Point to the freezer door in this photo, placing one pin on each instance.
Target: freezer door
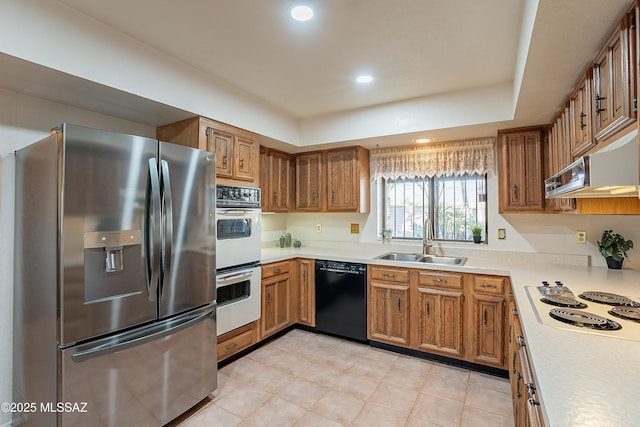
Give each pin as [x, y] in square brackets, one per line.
[187, 271]
[103, 193]
[147, 376]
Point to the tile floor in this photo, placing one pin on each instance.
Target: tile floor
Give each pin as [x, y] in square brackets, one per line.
[307, 379]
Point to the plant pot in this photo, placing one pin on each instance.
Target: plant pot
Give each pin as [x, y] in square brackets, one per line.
[613, 263]
[477, 239]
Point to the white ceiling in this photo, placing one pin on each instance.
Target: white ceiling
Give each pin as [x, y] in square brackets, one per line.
[415, 49]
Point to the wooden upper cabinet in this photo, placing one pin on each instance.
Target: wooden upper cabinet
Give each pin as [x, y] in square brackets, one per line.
[581, 117]
[559, 141]
[614, 82]
[221, 143]
[309, 182]
[348, 180]
[520, 169]
[276, 182]
[245, 166]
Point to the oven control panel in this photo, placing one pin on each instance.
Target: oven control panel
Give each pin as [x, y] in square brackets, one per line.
[229, 195]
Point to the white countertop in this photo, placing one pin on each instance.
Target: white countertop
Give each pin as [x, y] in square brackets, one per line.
[582, 379]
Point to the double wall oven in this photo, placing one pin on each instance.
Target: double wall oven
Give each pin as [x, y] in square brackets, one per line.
[238, 241]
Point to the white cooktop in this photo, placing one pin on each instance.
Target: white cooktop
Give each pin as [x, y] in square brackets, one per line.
[630, 329]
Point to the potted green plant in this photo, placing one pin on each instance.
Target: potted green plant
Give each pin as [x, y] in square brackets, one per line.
[476, 232]
[613, 248]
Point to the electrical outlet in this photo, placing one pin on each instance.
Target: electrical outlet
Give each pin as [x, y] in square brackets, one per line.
[502, 233]
[318, 228]
[355, 228]
[581, 237]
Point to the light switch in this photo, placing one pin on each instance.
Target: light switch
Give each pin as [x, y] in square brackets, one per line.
[502, 233]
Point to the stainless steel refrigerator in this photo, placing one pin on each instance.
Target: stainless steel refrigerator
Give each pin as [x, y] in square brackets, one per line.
[115, 312]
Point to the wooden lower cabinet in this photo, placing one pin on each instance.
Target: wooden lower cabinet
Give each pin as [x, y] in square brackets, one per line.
[306, 292]
[439, 321]
[388, 305]
[488, 330]
[276, 299]
[237, 340]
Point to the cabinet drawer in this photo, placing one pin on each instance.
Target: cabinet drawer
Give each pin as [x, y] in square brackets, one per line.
[236, 341]
[390, 274]
[489, 284]
[440, 280]
[274, 269]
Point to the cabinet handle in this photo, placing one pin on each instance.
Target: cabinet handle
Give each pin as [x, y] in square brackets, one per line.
[333, 197]
[275, 196]
[531, 390]
[224, 160]
[488, 285]
[484, 316]
[277, 270]
[427, 308]
[521, 341]
[231, 346]
[241, 163]
[313, 197]
[388, 275]
[582, 123]
[598, 109]
[399, 307]
[514, 362]
[518, 394]
[268, 297]
[515, 192]
[514, 312]
[304, 275]
[436, 281]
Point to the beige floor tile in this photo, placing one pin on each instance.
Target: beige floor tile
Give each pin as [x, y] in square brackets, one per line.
[475, 417]
[370, 368]
[242, 369]
[287, 343]
[353, 347]
[414, 363]
[213, 415]
[381, 355]
[275, 412]
[244, 400]
[303, 393]
[453, 372]
[340, 360]
[447, 388]
[356, 385]
[396, 397]
[267, 355]
[489, 400]
[377, 415]
[489, 381]
[294, 363]
[437, 410]
[404, 376]
[417, 422]
[225, 385]
[272, 379]
[321, 374]
[339, 407]
[311, 419]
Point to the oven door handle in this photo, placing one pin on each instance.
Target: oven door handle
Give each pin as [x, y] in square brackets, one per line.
[233, 278]
[234, 212]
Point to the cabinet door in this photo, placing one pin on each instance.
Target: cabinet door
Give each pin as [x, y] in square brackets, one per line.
[307, 293]
[275, 304]
[439, 321]
[309, 182]
[222, 144]
[244, 159]
[521, 171]
[580, 103]
[342, 180]
[389, 313]
[614, 83]
[488, 336]
[279, 179]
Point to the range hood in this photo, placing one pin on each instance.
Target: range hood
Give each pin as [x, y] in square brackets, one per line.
[610, 172]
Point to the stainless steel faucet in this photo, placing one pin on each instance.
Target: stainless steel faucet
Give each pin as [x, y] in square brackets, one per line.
[427, 237]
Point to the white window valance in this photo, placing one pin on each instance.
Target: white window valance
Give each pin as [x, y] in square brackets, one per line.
[450, 159]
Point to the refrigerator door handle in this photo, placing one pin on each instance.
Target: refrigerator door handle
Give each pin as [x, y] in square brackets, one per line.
[152, 230]
[167, 236]
[144, 335]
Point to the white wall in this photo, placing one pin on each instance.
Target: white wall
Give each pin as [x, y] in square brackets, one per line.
[541, 233]
[24, 120]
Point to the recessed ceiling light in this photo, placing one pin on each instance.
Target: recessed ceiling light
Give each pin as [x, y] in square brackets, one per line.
[364, 78]
[301, 13]
[423, 140]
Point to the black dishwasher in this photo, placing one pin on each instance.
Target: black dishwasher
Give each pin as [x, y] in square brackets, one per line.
[341, 299]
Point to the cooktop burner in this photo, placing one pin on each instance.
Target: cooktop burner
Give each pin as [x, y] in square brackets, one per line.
[629, 313]
[563, 301]
[607, 298]
[582, 318]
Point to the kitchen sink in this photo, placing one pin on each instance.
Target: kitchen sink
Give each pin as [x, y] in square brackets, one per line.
[429, 259]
